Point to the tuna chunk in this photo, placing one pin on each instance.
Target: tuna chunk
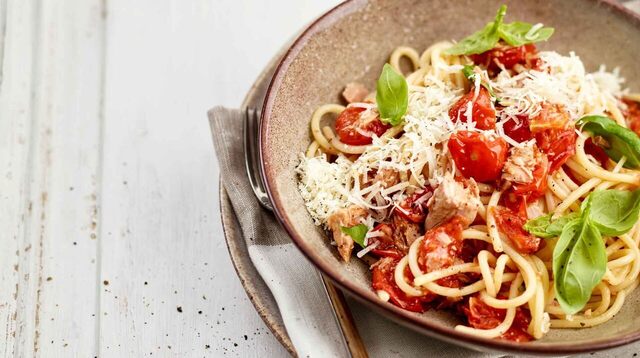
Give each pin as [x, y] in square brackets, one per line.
[355, 92]
[453, 198]
[521, 163]
[345, 217]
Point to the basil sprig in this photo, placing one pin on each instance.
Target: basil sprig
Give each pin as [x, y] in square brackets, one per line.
[357, 233]
[515, 34]
[579, 257]
[620, 141]
[392, 96]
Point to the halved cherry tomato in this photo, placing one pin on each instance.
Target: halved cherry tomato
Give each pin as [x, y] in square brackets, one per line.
[507, 57]
[632, 115]
[482, 316]
[596, 151]
[558, 144]
[554, 134]
[482, 112]
[382, 277]
[518, 129]
[510, 224]
[386, 245]
[478, 156]
[441, 245]
[538, 185]
[353, 130]
[414, 207]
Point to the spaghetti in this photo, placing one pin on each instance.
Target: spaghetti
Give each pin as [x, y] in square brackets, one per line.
[473, 255]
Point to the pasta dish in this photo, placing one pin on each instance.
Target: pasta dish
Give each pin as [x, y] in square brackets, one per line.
[487, 178]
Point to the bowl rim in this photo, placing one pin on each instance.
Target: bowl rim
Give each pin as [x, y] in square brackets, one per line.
[397, 314]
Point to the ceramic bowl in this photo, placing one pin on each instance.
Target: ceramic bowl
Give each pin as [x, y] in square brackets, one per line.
[351, 43]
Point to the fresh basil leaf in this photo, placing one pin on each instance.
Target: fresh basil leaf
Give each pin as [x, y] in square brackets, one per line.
[519, 33]
[467, 71]
[480, 41]
[538, 226]
[621, 142]
[546, 228]
[392, 96]
[555, 229]
[579, 262]
[614, 212]
[357, 233]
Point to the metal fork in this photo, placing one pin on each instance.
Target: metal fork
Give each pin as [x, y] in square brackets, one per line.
[341, 313]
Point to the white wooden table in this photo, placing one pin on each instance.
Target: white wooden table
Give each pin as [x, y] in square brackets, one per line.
[110, 238]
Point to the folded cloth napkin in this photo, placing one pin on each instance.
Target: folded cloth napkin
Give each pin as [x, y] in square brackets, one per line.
[293, 281]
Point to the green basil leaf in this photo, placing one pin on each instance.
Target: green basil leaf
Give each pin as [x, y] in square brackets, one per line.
[546, 228]
[538, 226]
[467, 71]
[579, 262]
[614, 212]
[519, 33]
[555, 229]
[357, 233]
[392, 96]
[480, 41]
[620, 140]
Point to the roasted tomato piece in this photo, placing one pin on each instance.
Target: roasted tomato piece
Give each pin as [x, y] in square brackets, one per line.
[482, 112]
[518, 129]
[383, 279]
[355, 129]
[414, 207]
[386, 245]
[441, 245]
[510, 224]
[554, 134]
[596, 151]
[508, 57]
[514, 202]
[632, 115]
[478, 156]
[482, 316]
[559, 145]
[538, 185]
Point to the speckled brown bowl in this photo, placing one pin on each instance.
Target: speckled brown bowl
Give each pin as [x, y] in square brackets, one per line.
[351, 43]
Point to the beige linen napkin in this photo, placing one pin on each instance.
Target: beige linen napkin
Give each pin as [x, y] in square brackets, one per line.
[293, 281]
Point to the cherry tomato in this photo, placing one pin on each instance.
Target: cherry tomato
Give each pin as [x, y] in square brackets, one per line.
[382, 277]
[414, 207]
[596, 151]
[507, 57]
[538, 185]
[353, 130]
[386, 244]
[482, 316]
[478, 156]
[514, 202]
[632, 115]
[518, 129]
[558, 145]
[482, 112]
[510, 224]
[435, 252]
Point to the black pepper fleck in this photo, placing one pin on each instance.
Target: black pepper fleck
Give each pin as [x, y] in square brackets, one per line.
[179, 309]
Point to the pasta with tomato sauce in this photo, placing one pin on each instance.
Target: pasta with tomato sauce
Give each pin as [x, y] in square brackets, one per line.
[491, 179]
